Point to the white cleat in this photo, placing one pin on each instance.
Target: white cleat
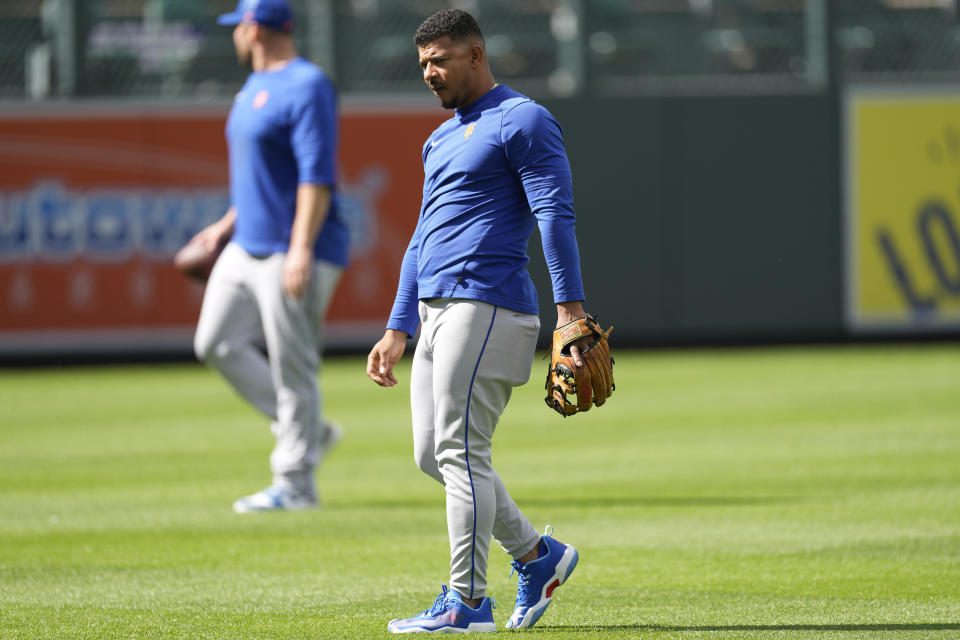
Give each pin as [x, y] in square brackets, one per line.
[274, 498]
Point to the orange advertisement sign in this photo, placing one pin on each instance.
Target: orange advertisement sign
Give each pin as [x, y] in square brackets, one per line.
[94, 202]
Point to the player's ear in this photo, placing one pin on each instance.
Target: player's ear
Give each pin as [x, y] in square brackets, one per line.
[476, 54]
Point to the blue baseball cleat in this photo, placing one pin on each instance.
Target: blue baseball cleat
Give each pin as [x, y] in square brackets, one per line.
[539, 578]
[449, 614]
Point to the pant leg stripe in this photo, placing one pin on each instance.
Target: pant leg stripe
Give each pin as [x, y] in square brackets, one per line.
[466, 447]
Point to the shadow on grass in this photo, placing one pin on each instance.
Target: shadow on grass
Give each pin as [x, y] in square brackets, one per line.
[921, 626]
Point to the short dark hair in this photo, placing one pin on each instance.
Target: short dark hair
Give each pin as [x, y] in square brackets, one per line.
[456, 24]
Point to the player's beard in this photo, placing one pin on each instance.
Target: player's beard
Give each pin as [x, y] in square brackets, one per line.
[450, 102]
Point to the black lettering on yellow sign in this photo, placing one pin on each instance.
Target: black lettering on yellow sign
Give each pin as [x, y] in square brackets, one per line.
[938, 234]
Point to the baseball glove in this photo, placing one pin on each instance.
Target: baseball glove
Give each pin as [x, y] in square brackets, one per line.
[196, 261]
[592, 382]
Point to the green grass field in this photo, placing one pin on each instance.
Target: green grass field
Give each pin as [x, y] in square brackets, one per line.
[764, 493]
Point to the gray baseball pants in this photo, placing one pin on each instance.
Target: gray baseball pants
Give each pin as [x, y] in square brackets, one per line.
[469, 357]
[267, 345]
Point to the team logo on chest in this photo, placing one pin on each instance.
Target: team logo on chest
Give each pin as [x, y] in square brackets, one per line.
[469, 131]
[261, 99]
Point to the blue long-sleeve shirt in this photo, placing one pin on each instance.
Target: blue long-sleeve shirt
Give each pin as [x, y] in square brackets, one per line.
[282, 132]
[490, 172]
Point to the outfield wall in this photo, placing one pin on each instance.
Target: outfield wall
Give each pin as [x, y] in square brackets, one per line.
[797, 217]
[902, 210]
[700, 218]
[95, 200]
[709, 218]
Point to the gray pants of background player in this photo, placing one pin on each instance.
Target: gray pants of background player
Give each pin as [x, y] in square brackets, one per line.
[469, 357]
[246, 310]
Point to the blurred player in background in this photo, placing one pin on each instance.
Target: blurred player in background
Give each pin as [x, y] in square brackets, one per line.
[271, 286]
[490, 172]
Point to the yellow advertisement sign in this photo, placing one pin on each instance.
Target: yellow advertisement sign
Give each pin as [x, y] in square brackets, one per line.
[903, 210]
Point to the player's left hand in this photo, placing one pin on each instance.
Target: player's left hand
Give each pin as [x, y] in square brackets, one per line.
[581, 366]
[296, 271]
[568, 312]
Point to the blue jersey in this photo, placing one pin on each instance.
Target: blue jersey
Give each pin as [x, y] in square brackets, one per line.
[282, 132]
[490, 172]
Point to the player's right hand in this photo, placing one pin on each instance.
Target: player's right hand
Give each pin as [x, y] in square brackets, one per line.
[384, 355]
[207, 238]
[216, 234]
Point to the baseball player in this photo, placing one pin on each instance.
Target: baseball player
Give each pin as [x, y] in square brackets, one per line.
[261, 320]
[490, 172]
